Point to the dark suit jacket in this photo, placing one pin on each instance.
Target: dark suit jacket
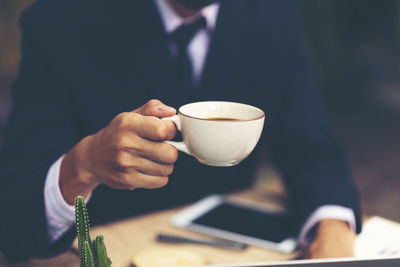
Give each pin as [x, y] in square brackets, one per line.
[85, 61]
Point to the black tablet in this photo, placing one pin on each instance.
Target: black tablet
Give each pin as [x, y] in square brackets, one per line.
[239, 221]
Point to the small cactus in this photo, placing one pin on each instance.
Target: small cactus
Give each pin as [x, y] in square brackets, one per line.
[87, 256]
[92, 253]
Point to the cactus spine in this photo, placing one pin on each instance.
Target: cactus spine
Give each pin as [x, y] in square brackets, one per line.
[92, 253]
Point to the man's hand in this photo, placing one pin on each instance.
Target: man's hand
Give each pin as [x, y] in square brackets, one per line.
[334, 239]
[126, 154]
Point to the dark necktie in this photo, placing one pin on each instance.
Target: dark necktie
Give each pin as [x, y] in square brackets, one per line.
[182, 37]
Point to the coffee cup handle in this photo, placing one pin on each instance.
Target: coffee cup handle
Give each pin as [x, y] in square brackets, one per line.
[181, 146]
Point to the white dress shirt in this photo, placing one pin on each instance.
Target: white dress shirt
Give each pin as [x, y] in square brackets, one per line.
[60, 215]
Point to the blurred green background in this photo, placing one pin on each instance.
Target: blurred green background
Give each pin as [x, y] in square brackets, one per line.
[355, 45]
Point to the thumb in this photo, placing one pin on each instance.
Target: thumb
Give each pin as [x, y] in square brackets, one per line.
[156, 108]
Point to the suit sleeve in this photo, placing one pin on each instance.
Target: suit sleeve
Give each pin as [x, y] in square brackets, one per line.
[313, 164]
[41, 127]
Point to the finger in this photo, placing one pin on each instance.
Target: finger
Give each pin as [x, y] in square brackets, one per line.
[128, 162]
[148, 127]
[159, 152]
[156, 108]
[154, 128]
[143, 180]
[154, 168]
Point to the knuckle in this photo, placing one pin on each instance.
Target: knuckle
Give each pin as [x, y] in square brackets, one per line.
[122, 160]
[163, 181]
[168, 170]
[121, 117]
[119, 159]
[172, 154]
[169, 152]
[162, 131]
[153, 102]
[122, 142]
[147, 109]
[132, 187]
[153, 121]
[139, 147]
[126, 182]
[165, 130]
[159, 182]
[165, 170]
[125, 119]
[171, 129]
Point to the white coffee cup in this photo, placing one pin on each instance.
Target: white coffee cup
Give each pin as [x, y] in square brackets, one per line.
[218, 133]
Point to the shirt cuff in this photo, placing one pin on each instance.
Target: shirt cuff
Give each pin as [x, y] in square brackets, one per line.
[60, 216]
[325, 212]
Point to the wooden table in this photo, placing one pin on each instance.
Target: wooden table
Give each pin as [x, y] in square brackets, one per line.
[128, 237]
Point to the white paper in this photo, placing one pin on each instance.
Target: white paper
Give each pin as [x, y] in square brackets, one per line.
[379, 238]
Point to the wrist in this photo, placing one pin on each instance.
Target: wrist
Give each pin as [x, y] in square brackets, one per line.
[334, 239]
[333, 226]
[75, 175]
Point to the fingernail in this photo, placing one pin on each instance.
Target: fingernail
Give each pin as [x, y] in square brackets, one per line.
[166, 109]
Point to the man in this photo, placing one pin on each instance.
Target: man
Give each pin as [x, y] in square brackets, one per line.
[82, 122]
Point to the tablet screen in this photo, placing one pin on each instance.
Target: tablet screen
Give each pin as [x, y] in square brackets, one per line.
[260, 224]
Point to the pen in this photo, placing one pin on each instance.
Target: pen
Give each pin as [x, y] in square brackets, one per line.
[216, 243]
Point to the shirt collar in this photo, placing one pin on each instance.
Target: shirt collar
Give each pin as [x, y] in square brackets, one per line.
[172, 21]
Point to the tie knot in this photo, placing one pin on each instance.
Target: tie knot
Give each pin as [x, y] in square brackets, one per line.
[185, 33]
